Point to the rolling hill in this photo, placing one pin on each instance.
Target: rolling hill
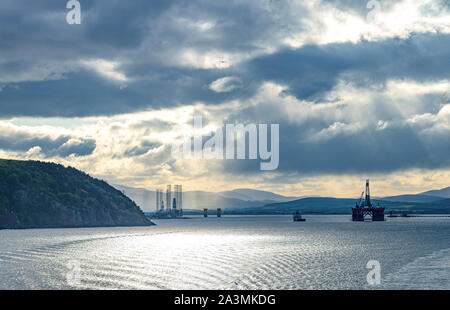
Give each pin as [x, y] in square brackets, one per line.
[323, 205]
[36, 194]
[425, 197]
[255, 195]
[444, 192]
[413, 198]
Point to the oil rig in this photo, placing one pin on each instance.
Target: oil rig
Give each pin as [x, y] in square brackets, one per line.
[365, 208]
[173, 207]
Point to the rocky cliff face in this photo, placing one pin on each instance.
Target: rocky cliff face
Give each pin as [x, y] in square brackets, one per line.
[42, 195]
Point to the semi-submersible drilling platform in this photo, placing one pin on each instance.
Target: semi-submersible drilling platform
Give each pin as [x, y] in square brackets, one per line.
[365, 208]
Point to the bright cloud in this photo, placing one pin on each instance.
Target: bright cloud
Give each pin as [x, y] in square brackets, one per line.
[106, 68]
[226, 84]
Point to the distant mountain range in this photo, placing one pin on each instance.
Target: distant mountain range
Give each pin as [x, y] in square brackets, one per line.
[323, 205]
[445, 192]
[255, 195]
[429, 196]
[250, 201]
[197, 200]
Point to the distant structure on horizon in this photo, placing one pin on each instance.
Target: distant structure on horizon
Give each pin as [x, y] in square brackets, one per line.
[172, 207]
[365, 207]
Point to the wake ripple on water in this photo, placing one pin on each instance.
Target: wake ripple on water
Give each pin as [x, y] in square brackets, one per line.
[243, 255]
[431, 272]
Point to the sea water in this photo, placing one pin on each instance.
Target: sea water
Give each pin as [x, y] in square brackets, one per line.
[232, 252]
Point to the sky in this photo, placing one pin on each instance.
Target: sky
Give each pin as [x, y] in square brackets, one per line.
[360, 89]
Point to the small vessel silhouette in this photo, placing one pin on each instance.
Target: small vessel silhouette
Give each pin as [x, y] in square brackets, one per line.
[298, 217]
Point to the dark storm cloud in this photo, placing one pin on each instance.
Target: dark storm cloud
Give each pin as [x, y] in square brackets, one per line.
[365, 151]
[142, 149]
[41, 54]
[361, 147]
[78, 148]
[311, 71]
[42, 74]
[62, 146]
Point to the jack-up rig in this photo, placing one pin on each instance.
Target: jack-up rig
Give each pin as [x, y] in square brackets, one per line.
[173, 207]
[365, 208]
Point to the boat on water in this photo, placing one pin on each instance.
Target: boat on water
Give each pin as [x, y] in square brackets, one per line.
[298, 217]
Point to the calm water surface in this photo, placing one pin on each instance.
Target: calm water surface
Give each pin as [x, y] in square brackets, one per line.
[246, 252]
